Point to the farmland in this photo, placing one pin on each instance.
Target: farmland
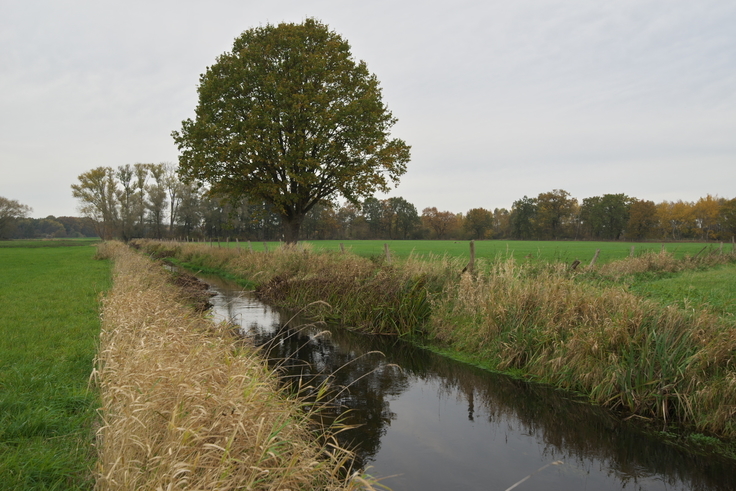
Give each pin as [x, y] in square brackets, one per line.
[49, 325]
[564, 251]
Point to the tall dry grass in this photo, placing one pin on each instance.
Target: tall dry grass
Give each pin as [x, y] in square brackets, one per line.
[186, 406]
[663, 262]
[363, 293]
[621, 350]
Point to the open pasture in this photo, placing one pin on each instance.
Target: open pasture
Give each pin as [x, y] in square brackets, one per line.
[713, 289]
[37, 243]
[564, 251]
[49, 326]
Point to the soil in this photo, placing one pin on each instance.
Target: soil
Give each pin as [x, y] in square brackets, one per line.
[194, 291]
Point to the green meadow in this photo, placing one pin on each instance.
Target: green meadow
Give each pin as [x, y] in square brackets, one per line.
[712, 289]
[49, 328]
[549, 250]
[36, 243]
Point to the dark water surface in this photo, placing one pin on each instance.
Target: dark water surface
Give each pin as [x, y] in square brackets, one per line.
[430, 423]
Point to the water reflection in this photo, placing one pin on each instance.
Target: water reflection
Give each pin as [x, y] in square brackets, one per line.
[433, 423]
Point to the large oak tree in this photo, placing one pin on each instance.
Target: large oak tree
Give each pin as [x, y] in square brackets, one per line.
[290, 118]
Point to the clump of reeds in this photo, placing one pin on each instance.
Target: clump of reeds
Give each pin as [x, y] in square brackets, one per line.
[187, 406]
[623, 351]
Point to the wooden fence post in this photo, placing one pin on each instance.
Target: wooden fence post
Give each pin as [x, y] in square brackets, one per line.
[388, 253]
[342, 247]
[631, 253]
[265, 246]
[471, 264]
[595, 258]
[250, 246]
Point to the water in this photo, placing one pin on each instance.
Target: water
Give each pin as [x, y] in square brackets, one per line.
[429, 423]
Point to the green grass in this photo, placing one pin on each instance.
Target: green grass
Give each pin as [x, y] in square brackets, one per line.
[49, 326]
[565, 251]
[35, 243]
[713, 289]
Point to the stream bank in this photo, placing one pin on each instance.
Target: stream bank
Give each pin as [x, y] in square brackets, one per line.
[427, 422]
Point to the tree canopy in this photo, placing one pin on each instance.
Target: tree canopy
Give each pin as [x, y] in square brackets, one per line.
[290, 118]
[10, 210]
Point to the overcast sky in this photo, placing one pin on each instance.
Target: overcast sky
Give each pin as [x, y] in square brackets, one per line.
[498, 99]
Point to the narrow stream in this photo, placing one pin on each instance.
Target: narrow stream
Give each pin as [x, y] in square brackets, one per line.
[430, 423]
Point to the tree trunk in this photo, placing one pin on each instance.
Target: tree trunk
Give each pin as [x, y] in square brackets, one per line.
[292, 225]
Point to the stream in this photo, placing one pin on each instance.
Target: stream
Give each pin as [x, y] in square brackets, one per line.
[428, 423]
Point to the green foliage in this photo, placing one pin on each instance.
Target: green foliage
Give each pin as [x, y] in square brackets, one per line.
[49, 325]
[290, 118]
[11, 210]
[555, 212]
[728, 216]
[478, 223]
[522, 217]
[605, 217]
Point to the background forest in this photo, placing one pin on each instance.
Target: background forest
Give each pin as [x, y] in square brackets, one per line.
[149, 200]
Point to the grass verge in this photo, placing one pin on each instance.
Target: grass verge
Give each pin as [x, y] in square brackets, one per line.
[187, 405]
[713, 289]
[49, 324]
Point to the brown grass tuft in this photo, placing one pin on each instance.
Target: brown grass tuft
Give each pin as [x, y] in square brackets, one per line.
[186, 406]
[656, 262]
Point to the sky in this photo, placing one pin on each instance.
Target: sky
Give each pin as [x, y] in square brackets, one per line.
[498, 99]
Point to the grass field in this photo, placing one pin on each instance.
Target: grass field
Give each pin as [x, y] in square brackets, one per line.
[565, 251]
[713, 289]
[49, 326]
[36, 243]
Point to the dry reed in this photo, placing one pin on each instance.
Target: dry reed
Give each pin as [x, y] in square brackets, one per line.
[623, 351]
[186, 406]
[663, 262]
[363, 293]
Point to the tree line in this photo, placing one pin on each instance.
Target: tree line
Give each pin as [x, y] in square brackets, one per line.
[150, 200]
